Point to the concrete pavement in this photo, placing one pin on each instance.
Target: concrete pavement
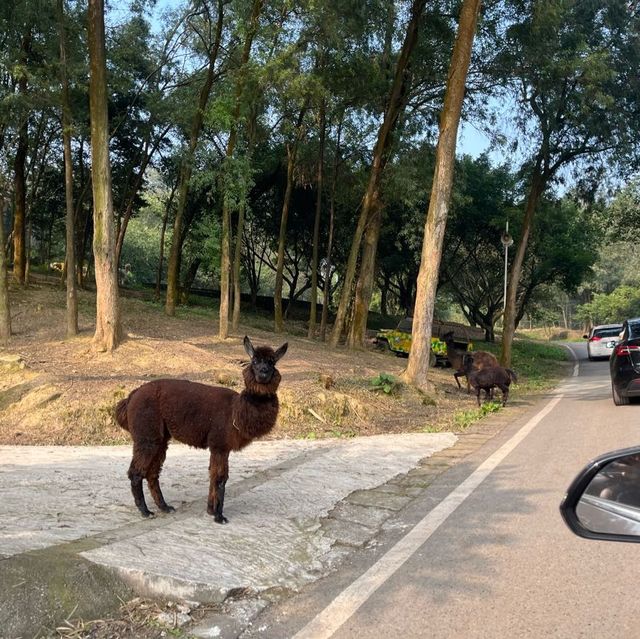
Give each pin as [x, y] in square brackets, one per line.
[71, 536]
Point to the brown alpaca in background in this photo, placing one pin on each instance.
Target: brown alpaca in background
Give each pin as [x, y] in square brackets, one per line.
[488, 378]
[456, 357]
[202, 416]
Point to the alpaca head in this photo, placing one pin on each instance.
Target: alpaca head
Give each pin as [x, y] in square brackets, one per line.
[262, 370]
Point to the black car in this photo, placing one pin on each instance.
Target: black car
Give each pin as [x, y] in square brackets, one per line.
[624, 364]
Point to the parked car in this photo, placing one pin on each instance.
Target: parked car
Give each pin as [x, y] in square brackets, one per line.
[624, 365]
[602, 339]
[603, 501]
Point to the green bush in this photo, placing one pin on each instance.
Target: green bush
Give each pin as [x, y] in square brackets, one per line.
[384, 382]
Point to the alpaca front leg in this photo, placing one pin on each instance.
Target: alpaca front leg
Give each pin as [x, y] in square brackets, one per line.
[218, 475]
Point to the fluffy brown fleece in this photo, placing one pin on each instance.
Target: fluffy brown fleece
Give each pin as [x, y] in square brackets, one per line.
[456, 357]
[202, 416]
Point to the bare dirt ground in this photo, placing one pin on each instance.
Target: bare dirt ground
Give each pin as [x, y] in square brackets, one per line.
[60, 391]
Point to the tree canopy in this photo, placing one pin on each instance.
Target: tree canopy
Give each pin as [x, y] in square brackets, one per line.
[287, 150]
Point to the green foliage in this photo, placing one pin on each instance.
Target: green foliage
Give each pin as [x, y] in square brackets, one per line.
[465, 418]
[610, 271]
[538, 364]
[343, 54]
[605, 308]
[386, 383]
[140, 251]
[624, 212]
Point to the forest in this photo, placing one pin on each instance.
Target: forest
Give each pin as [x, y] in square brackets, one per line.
[294, 151]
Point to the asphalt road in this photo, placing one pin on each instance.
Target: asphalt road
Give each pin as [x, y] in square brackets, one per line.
[484, 552]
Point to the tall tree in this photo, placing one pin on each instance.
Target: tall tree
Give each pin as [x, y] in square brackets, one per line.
[418, 364]
[19, 167]
[5, 311]
[108, 323]
[570, 64]
[212, 48]
[371, 208]
[72, 295]
[142, 101]
[316, 222]
[328, 273]
[225, 265]
[292, 153]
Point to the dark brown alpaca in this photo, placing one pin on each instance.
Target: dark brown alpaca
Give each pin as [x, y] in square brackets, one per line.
[481, 359]
[202, 416]
[488, 378]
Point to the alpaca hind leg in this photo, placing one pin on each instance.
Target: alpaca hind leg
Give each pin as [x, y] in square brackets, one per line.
[136, 489]
[505, 394]
[218, 474]
[153, 482]
[144, 455]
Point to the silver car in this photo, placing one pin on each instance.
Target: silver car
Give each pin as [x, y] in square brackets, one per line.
[602, 340]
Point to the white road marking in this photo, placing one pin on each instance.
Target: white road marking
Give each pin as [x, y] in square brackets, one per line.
[327, 622]
[576, 366]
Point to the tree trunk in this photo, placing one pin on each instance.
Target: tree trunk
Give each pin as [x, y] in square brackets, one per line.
[418, 364]
[384, 298]
[237, 255]
[165, 219]
[292, 150]
[19, 215]
[5, 311]
[326, 291]
[277, 294]
[364, 286]
[173, 268]
[189, 279]
[380, 154]
[19, 180]
[70, 254]
[509, 321]
[316, 224]
[108, 327]
[81, 216]
[225, 253]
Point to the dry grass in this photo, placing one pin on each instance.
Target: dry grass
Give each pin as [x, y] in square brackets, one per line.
[137, 619]
[65, 392]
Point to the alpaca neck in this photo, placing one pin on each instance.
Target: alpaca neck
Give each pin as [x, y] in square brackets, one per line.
[254, 413]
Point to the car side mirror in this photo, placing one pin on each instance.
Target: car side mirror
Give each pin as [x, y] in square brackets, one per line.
[603, 502]
[585, 337]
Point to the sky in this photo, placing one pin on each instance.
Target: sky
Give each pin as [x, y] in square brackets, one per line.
[471, 141]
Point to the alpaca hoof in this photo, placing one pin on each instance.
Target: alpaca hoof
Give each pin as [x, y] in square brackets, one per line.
[220, 519]
[167, 509]
[147, 513]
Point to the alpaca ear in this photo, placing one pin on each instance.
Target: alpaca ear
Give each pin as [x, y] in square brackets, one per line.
[248, 347]
[281, 351]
